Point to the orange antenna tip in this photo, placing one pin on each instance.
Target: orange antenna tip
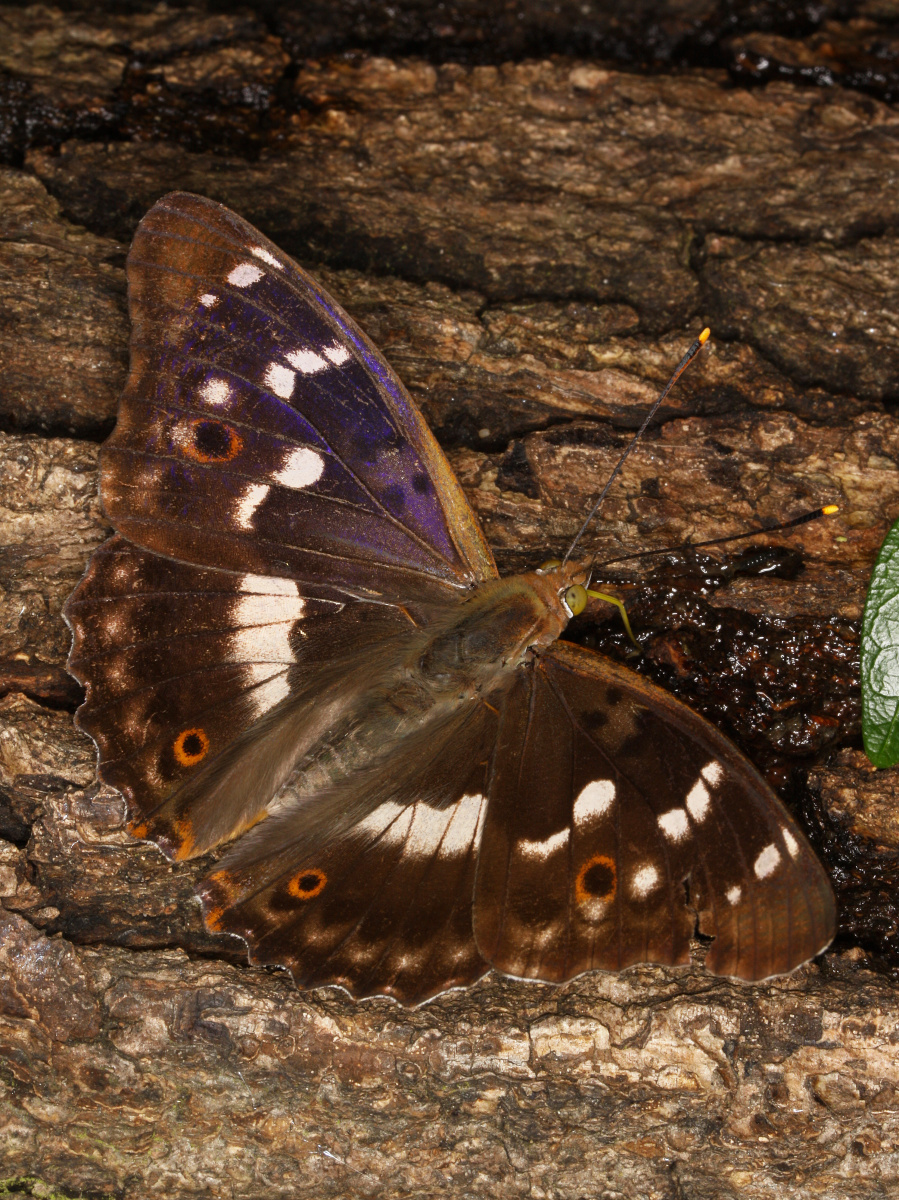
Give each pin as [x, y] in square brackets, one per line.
[704, 336]
[829, 509]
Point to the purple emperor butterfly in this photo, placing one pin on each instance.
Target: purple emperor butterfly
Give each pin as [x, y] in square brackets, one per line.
[297, 643]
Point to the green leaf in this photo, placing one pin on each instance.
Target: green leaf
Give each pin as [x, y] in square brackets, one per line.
[880, 657]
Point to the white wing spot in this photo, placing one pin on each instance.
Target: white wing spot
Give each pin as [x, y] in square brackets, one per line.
[209, 300]
[733, 895]
[302, 468]
[594, 800]
[248, 503]
[280, 380]
[712, 773]
[268, 585]
[336, 354]
[464, 826]
[262, 253]
[698, 801]
[307, 362]
[426, 831]
[263, 625]
[545, 848]
[674, 824]
[389, 823]
[268, 689]
[244, 274]
[644, 881]
[766, 863]
[792, 844]
[215, 391]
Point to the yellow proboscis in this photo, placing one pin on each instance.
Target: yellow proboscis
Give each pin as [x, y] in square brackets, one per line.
[619, 604]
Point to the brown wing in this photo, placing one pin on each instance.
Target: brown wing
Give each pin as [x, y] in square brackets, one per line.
[203, 685]
[378, 902]
[620, 822]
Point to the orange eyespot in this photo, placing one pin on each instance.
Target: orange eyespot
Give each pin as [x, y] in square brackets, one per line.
[596, 880]
[211, 442]
[575, 598]
[307, 884]
[191, 746]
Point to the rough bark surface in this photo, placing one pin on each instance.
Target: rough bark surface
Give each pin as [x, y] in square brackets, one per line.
[533, 244]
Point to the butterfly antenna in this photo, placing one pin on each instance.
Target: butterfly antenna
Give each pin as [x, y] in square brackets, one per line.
[679, 370]
[827, 511]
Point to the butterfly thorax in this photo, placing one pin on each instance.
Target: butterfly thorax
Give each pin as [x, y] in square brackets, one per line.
[464, 651]
[481, 641]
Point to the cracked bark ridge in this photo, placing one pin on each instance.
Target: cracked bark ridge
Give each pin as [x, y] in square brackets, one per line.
[533, 244]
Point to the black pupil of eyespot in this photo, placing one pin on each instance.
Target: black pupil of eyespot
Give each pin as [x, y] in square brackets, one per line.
[308, 883]
[192, 746]
[598, 880]
[212, 439]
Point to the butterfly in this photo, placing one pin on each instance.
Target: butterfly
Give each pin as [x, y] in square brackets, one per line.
[297, 647]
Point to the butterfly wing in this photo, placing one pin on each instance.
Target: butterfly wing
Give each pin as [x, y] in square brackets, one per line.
[266, 466]
[260, 431]
[203, 685]
[620, 823]
[379, 905]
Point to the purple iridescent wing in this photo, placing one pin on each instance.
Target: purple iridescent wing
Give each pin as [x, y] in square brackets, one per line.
[260, 431]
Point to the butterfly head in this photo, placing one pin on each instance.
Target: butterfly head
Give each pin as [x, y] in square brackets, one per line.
[572, 580]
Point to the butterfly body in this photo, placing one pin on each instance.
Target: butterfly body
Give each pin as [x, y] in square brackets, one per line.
[297, 648]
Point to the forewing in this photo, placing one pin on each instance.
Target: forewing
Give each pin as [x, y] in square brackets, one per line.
[620, 823]
[381, 906]
[260, 431]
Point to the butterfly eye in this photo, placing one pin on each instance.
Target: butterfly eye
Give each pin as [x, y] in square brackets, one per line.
[551, 564]
[575, 599]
